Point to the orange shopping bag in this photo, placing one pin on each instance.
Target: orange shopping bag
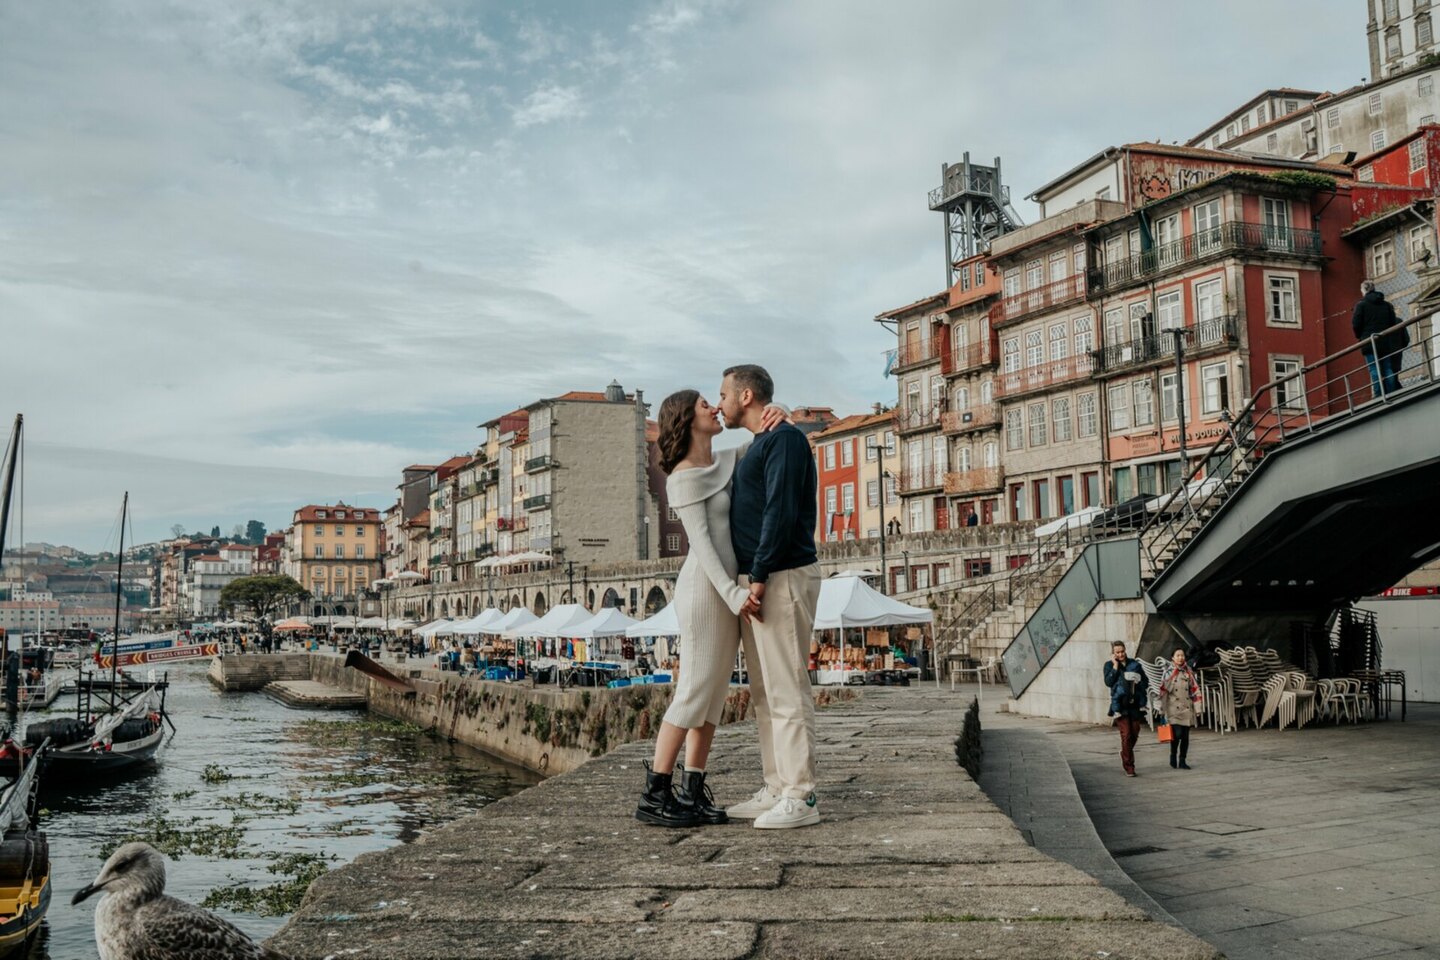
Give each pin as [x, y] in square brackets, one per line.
[1164, 733]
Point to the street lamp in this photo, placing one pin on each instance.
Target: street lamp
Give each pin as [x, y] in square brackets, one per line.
[884, 475]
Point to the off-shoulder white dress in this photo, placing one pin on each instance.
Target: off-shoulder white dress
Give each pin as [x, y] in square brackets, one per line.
[708, 596]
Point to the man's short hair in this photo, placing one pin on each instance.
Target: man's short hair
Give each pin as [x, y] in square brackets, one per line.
[752, 377]
[1118, 643]
[1367, 285]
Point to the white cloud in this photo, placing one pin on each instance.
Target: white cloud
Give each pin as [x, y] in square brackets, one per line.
[547, 104]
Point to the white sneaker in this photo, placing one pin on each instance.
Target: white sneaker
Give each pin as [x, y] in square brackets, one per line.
[762, 802]
[789, 812]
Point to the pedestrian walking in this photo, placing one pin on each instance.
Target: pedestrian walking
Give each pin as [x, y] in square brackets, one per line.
[1180, 693]
[1374, 314]
[1125, 679]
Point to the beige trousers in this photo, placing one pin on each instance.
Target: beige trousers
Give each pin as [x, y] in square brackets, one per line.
[777, 656]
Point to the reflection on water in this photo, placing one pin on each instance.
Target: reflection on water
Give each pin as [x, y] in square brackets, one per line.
[249, 795]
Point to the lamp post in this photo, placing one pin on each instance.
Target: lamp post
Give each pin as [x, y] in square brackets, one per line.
[884, 475]
[1179, 333]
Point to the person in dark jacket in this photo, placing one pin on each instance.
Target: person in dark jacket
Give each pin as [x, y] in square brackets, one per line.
[1374, 314]
[1125, 679]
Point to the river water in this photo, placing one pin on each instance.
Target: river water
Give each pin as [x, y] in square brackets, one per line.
[252, 798]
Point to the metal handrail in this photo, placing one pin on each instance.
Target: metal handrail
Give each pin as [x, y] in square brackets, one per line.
[1259, 426]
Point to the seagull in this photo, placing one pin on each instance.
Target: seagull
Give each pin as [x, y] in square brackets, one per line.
[136, 921]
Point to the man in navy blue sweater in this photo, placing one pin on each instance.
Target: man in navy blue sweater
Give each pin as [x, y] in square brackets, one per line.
[772, 524]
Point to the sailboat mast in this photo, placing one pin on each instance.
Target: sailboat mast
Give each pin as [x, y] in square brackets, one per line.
[119, 594]
[4, 527]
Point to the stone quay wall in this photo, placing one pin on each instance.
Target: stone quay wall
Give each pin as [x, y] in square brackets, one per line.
[243, 672]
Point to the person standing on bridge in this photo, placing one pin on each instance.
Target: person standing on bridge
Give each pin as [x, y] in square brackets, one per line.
[772, 525]
[1125, 679]
[708, 602]
[1372, 316]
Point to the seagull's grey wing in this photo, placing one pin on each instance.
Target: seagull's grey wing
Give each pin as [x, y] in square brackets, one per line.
[170, 929]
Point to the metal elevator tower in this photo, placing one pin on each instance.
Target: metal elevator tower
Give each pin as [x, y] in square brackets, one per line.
[976, 207]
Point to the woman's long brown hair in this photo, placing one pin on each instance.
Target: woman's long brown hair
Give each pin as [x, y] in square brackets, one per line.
[677, 415]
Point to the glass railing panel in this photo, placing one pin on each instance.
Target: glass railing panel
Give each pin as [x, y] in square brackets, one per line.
[1076, 594]
[1119, 569]
[1021, 663]
[1048, 629]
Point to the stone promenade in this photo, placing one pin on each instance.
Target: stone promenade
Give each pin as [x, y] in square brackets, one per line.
[912, 860]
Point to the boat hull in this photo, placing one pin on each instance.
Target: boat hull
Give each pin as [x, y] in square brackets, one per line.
[82, 759]
[22, 907]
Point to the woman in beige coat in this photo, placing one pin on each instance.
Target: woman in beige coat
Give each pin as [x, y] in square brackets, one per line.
[708, 598]
[1183, 704]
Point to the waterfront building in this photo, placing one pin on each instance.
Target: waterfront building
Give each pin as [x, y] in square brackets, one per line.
[335, 554]
[924, 457]
[672, 541]
[443, 505]
[1401, 35]
[856, 458]
[210, 573]
[971, 418]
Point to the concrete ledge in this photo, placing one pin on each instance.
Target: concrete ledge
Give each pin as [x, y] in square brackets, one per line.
[910, 860]
[309, 695]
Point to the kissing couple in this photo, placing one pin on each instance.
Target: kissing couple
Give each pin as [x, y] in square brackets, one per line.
[751, 579]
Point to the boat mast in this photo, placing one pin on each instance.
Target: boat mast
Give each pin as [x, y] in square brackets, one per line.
[4, 526]
[119, 594]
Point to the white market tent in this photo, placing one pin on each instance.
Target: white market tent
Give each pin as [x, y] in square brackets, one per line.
[472, 626]
[431, 628]
[517, 617]
[663, 624]
[370, 623]
[559, 618]
[609, 622]
[851, 602]
[848, 601]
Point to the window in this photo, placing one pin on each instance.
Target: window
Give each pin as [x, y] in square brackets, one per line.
[319, 529]
[1146, 476]
[359, 531]
[1214, 388]
[1427, 86]
[889, 443]
[1092, 489]
[830, 447]
[320, 514]
[1392, 44]
[1060, 418]
[991, 454]
[1374, 105]
[1119, 408]
[319, 552]
[1282, 301]
[339, 530]
[1011, 352]
[1207, 225]
[1332, 118]
[1366, 174]
[1245, 123]
[1041, 491]
[1144, 392]
[917, 516]
[1382, 258]
[339, 514]
[1291, 106]
[872, 493]
[1102, 194]
[922, 578]
[892, 494]
[1167, 233]
[962, 460]
[847, 498]
[1392, 9]
[1377, 142]
[1114, 250]
[1034, 348]
[339, 551]
[1067, 495]
[1124, 487]
[1169, 398]
[962, 399]
[1419, 245]
[1087, 422]
[1084, 335]
[1034, 274]
[672, 542]
[1077, 258]
[1037, 424]
[1142, 325]
[979, 274]
[1229, 131]
[1417, 155]
[987, 391]
[1272, 143]
[1424, 36]
[1209, 302]
[1057, 267]
[1260, 113]
[1429, 118]
[872, 448]
[829, 503]
[1215, 140]
[1114, 326]
[847, 453]
[1059, 342]
[1170, 310]
[360, 551]
[1014, 435]
[1012, 282]
[1289, 394]
[940, 454]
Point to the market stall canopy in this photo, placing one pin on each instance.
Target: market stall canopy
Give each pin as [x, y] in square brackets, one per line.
[431, 628]
[343, 623]
[469, 627]
[285, 626]
[559, 618]
[408, 576]
[1080, 518]
[609, 622]
[517, 617]
[851, 602]
[664, 624]
[486, 617]
[370, 623]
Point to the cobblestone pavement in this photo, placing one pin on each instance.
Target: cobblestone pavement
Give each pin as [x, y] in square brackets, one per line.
[1316, 843]
[911, 860]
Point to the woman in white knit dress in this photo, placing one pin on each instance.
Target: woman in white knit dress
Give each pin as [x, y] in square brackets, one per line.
[708, 598]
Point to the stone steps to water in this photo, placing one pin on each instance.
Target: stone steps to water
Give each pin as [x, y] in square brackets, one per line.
[310, 695]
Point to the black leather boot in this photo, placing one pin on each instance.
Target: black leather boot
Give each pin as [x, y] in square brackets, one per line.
[658, 804]
[695, 795]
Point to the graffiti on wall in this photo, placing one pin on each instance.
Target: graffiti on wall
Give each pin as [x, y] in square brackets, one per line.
[1157, 177]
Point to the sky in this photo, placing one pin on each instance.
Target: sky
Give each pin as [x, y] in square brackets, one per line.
[262, 253]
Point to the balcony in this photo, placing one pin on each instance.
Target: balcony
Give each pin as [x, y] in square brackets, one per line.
[1057, 294]
[981, 480]
[1216, 241]
[520, 523]
[489, 476]
[482, 551]
[972, 356]
[913, 353]
[925, 416]
[978, 417]
[926, 477]
[536, 464]
[541, 501]
[1216, 333]
[1030, 379]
